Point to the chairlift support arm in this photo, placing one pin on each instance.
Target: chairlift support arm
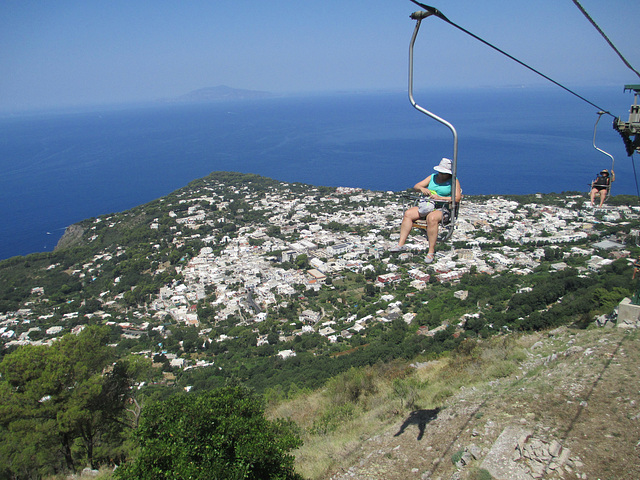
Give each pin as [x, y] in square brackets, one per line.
[600, 113]
[418, 17]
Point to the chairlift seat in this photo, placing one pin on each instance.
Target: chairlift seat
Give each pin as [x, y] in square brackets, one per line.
[444, 228]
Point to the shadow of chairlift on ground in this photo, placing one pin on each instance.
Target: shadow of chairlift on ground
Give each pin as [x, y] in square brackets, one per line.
[420, 418]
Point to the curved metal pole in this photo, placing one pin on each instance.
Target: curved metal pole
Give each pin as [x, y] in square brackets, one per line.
[600, 113]
[419, 16]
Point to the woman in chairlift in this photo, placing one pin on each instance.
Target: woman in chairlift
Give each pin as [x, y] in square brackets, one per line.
[601, 185]
[435, 207]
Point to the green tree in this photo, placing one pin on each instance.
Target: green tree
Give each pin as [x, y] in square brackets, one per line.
[58, 409]
[219, 434]
[302, 261]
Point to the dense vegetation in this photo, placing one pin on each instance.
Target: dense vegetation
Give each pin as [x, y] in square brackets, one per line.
[63, 406]
[217, 434]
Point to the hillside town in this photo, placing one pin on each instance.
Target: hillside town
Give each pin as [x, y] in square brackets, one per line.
[306, 241]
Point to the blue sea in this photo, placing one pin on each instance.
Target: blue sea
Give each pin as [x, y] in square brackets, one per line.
[61, 167]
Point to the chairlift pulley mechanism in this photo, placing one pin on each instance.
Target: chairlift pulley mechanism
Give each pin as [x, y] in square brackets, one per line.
[630, 131]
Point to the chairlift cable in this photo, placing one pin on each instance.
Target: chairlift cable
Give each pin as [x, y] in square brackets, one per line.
[584, 12]
[439, 14]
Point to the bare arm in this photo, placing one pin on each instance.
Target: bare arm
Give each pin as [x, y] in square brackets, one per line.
[422, 186]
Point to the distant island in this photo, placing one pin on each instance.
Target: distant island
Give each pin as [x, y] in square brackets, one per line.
[220, 93]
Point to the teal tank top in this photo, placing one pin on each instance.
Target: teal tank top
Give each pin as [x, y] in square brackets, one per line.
[442, 189]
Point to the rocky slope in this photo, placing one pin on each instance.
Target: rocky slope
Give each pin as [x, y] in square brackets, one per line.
[571, 412]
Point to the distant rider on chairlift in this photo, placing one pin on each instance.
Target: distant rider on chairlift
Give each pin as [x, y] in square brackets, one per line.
[601, 186]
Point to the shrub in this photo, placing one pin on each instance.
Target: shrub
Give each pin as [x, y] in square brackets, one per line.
[334, 417]
[220, 434]
[456, 457]
[352, 385]
[480, 474]
[407, 390]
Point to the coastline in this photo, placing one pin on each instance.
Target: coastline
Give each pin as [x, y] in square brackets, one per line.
[60, 170]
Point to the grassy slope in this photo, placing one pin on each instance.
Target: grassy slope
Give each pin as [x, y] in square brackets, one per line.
[578, 387]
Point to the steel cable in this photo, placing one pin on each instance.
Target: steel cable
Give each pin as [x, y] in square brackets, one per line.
[439, 14]
[577, 4]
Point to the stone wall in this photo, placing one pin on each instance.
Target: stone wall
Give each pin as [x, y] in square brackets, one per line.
[628, 314]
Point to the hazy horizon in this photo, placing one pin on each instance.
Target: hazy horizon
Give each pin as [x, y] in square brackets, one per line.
[69, 54]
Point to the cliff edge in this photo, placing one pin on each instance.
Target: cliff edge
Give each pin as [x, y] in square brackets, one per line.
[72, 236]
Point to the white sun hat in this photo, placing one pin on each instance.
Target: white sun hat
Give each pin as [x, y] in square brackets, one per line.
[444, 166]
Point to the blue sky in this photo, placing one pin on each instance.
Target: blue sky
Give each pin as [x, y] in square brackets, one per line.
[61, 53]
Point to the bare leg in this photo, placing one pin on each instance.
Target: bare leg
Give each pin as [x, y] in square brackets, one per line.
[407, 224]
[433, 222]
[603, 195]
[593, 196]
